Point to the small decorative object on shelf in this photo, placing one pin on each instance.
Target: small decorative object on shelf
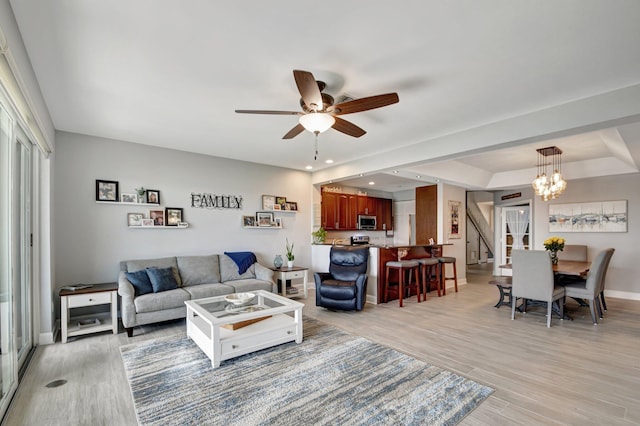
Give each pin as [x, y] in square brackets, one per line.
[319, 236]
[141, 191]
[128, 198]
[134, 219]
[290, 256]
[264, 218]
[553, 245]
[277, 262]
[173, 216]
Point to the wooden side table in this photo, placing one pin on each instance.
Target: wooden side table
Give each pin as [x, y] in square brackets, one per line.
[283, 274]
[96, 294]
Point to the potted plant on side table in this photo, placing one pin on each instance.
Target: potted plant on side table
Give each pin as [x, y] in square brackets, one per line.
[290, 256]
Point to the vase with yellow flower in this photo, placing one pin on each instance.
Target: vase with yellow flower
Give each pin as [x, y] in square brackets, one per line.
[554, 245]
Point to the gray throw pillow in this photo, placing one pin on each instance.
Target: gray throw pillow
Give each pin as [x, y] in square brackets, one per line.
[162, 279]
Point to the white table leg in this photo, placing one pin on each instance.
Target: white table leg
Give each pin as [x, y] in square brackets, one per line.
[64, 314]
[114, 311]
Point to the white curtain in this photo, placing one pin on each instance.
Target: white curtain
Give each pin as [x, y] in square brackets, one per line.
[518, 220]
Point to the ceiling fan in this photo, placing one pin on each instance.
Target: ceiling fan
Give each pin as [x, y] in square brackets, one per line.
[319, 112]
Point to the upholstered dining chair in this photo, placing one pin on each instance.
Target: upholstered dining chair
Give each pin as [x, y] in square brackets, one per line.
[344, 287]
[533, 279]
[593, 285]
[573, 252]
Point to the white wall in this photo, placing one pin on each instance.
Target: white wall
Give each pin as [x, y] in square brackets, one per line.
[91, 239]
[624, 269]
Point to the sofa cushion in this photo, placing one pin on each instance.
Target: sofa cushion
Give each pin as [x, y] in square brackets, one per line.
[240, 286]
[229, 270]
[163, 262]
[208, 290]
[162, 279]
[196, 270]
[140, 282]
[160, 301]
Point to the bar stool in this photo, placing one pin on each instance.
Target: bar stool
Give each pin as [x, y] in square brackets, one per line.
[443, 272]
[402, 266]
[430, 267]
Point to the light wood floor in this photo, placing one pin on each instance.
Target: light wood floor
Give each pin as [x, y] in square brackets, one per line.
[573, 373]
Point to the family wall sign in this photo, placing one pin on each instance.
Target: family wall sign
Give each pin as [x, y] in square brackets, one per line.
[213, 201]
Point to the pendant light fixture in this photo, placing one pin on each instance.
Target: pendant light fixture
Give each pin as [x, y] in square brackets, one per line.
[549, 186]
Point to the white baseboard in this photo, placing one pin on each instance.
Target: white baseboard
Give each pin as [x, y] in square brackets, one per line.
[616, 294]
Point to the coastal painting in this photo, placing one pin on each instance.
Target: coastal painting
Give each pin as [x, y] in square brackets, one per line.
[596, 216]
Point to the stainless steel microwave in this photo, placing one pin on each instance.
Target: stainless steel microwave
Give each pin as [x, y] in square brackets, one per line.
[366, 222]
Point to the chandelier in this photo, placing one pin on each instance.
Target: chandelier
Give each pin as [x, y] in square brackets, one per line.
[549, 187]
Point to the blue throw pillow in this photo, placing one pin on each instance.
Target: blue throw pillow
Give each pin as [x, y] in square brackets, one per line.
[140, 282]
[162, 279]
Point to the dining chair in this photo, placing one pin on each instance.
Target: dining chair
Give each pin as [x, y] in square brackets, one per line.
[590, 288]
[573, 252]
[602, 283]
[533, 279]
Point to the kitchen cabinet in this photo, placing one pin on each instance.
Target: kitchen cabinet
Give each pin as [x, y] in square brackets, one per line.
[340, 211]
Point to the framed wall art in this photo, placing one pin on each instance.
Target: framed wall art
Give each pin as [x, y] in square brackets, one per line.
[153, 196]
[128, 198]
[249, 221]
[268, 201]
[454, 219]
[134, 219]
[157, 216]
[107, 190]
[264, 218]
[595, 216]
[173, 216]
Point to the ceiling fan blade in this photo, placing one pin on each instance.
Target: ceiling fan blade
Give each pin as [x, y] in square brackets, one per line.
[365, 104]
[294, 132]
[348, 128]
[308, 88]
[258, 111]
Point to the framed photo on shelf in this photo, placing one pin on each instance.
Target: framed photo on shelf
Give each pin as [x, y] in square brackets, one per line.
[107, 190]
[293, 205]
[173, 216]
[268, 202]
[249, 221]
[134, 219]
[278, 222]
[277, 207]
[281, 201]
[264, 218]
[147, 222]
[153, 196]
[157, 216]
[127, 197]
[287, 206]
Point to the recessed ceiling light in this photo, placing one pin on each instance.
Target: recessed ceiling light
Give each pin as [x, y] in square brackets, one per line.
[372, 183]
[418, 176]
[309, 167]
[437, 180]
[329, 161]
[361, 175]
[395, 172]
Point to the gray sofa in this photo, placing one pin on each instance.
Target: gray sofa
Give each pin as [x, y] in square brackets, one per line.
[197, 277]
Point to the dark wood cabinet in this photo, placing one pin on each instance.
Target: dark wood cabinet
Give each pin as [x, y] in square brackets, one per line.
[426, 214]
[340, 211]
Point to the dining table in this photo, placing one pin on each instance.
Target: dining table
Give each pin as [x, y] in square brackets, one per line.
[564, 267]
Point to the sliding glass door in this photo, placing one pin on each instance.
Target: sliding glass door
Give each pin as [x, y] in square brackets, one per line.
[8, 359]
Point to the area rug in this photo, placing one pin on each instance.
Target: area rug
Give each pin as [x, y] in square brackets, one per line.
[331, 378]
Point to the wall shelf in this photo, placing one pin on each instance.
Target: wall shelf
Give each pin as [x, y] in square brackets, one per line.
[128, 204]
[262, 227]
[158, 227]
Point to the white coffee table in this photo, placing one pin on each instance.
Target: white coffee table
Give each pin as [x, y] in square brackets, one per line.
[279, 320]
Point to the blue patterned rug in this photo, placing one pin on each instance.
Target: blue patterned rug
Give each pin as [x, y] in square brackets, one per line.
[331, 378]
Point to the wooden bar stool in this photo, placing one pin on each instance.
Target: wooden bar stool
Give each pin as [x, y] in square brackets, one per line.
[402, 266]
[430, 268]
[443, 272]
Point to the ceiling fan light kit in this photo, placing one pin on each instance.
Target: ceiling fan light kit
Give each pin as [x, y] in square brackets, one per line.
[319, 112]
[317, 122]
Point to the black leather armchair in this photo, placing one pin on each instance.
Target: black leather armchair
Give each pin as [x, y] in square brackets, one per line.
[344, 287]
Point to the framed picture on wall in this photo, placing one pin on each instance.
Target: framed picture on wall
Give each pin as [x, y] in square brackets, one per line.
[134, 219]
[157, 216]
[293, 205]
[107, 190]
[173, 216]
[268, 201]
[153, 196]
[454, 219]
[147, 222]
[126, 197]
[264, 218]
